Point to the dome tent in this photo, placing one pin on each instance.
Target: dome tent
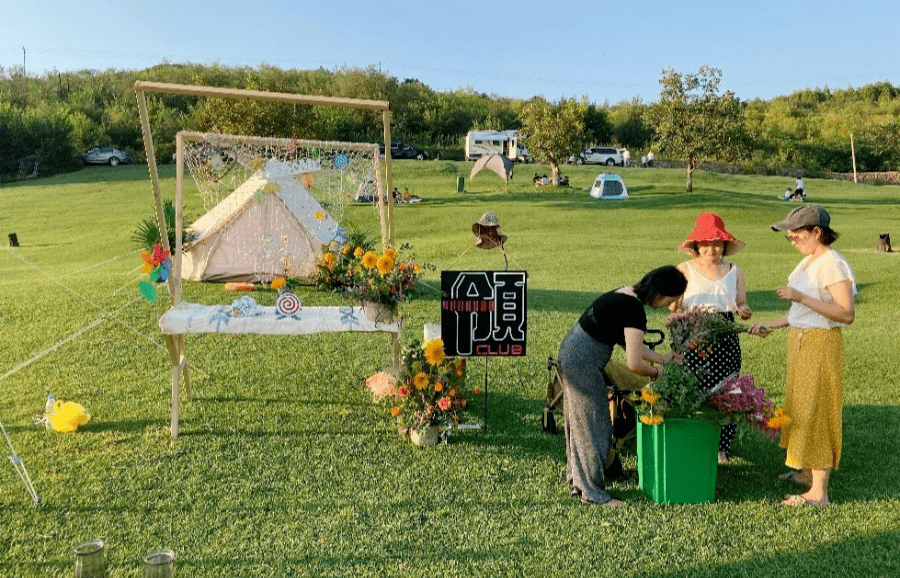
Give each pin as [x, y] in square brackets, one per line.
[609, 186]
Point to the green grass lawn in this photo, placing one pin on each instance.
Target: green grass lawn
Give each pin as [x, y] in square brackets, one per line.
[285, 467]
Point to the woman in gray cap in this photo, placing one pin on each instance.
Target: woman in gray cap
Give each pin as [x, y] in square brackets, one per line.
[821, 290]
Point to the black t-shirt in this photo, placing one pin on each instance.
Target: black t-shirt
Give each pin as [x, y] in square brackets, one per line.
[608, 316]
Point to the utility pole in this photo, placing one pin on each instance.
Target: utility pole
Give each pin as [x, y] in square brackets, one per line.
[23, 61]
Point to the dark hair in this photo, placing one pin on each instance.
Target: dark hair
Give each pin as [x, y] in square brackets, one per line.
[828, 235]
[665, 281]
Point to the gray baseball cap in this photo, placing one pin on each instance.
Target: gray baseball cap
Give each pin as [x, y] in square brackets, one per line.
[804, 216]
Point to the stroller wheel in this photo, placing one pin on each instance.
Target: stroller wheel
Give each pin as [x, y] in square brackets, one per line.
[548, 422]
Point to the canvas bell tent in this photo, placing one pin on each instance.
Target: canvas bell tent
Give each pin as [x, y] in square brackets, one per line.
[609, 186]
[269, 226]
[495, 162]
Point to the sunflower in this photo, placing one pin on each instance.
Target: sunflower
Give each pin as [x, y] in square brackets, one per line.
[329, 257]
[278, 282]
[420, 380]
[649, 395]
[385, 264]
[345, 250]
[369, 260]
[391, 252]
[359, 251]
[434, 351]
[651, 419]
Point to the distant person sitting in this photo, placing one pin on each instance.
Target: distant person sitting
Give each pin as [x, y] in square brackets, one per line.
[564, 181]
[788, 193]
[644, 161]
[536, 180]
[650, 158]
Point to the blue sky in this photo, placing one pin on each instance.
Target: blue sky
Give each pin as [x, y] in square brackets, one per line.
[606, 50]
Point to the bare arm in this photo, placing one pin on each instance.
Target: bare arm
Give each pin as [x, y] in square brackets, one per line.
[743, 309]
[843, 310]
[637, 354]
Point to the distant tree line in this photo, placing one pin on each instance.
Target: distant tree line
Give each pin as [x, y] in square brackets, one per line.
[52, 117]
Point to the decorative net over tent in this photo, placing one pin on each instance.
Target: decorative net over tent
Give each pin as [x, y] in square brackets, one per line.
[272, 204]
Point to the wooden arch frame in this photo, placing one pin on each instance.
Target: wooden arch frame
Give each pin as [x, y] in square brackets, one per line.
[175, 343]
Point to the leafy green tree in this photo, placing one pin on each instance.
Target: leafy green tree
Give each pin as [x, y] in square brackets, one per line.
[694, 122]
[554, 132]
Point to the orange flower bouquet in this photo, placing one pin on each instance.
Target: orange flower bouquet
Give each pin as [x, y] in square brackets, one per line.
[430, 388]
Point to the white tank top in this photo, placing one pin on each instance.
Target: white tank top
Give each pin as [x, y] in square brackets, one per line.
[721, 294]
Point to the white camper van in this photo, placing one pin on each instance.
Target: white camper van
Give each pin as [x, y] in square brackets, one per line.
[505, 142]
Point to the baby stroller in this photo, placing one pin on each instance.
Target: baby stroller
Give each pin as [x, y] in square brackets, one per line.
[623, 382]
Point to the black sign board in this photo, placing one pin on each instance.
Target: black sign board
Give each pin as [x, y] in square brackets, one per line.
[483, 313]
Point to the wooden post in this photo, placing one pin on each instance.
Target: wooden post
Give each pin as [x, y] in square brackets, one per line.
[388, 176]
[853, 156]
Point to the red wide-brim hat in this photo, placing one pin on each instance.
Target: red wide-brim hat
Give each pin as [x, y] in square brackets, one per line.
[710, 227]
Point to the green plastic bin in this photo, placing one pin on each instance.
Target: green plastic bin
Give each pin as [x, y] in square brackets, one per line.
[460, 184]
[677, 460]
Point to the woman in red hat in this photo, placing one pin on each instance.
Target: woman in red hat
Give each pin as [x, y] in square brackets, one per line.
[718, 284]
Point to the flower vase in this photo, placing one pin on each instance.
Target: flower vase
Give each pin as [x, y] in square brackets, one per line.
[377, 312]
[427, 436]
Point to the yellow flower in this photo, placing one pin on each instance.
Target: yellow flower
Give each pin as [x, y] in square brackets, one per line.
[358, 251]
[319, 215]
[452, 392]
[369, 260]
[278, 283]
[420, 380]
[439, 387]
[434, 351]
[385, 264]
[391, 252]
[345, 249]
[329, 257]
[416, 269]
[779, 420]
[401, 266]
[395, 411]
[333, 244]
[649, 395]
[651, 419]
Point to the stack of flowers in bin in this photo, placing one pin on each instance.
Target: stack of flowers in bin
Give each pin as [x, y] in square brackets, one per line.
[430, 388]
[355, 270]
[739, 399]
[676, 395]
[698, 328]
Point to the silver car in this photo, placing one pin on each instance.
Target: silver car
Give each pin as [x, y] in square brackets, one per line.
[600, 156]
[105, 156]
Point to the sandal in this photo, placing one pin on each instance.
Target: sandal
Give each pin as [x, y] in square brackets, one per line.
[797, 501]
[796, 477]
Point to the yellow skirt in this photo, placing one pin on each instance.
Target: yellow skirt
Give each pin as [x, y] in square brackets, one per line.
[813, 398]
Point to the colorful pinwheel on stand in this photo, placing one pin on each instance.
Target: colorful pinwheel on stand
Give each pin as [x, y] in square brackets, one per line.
[158, 265]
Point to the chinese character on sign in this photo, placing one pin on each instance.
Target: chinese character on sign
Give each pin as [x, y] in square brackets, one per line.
[483, 313]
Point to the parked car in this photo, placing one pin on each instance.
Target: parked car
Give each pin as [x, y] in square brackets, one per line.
[401, 150]
[105, 156]
[599, 156]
